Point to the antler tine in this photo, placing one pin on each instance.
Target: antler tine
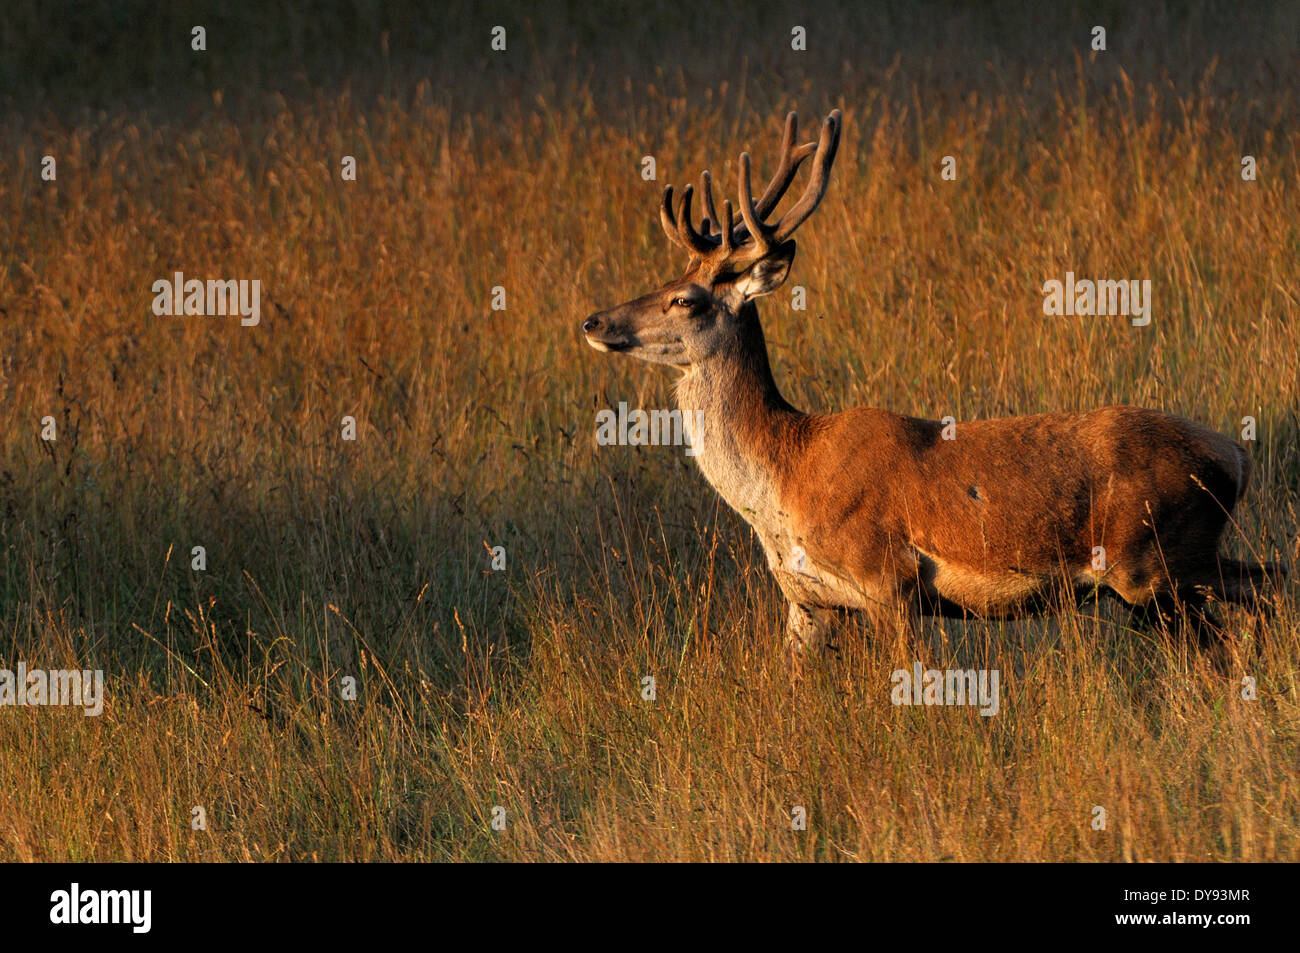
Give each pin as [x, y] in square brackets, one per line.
[780, 183]
[677, 226]
[827, 145]
[666, 218]
[706, 189]
[731, 235]
[786, 167]
[691, 239]
[762, 244]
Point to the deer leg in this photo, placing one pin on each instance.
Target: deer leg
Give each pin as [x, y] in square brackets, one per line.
[1245, 582]
[1186, 616]
[898, 616]
[1160, 612]
[1208, 632]
[806, 629]
[1199, 622]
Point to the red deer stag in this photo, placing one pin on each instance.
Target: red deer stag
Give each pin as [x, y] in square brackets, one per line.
[868, 510]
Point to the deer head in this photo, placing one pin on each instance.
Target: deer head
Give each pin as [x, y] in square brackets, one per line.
[706, 310]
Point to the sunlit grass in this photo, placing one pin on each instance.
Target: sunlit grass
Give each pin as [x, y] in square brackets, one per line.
[522, 688]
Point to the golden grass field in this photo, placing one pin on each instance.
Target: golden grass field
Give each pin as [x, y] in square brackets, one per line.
[476, 428]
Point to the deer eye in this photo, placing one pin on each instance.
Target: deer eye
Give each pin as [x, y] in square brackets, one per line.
[683, 303]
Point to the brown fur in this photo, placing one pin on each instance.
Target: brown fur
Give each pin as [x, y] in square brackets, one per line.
[989, 519]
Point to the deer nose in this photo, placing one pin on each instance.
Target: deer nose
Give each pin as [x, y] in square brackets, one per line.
[591, 324]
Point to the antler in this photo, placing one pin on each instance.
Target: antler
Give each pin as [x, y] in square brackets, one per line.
[730, 243]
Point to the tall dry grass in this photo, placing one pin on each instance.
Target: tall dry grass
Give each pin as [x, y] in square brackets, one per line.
[521, 688]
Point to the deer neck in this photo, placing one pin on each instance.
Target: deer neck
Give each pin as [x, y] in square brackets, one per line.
[743, 426]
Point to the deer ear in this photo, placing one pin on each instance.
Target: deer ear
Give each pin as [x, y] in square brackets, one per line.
[768, 273]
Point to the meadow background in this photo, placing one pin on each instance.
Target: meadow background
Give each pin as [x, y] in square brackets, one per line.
[476, 428]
